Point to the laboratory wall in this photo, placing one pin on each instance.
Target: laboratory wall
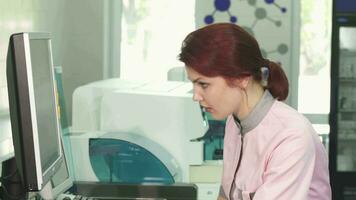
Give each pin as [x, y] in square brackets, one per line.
[23, 16]
[82, 45]
[77, 39]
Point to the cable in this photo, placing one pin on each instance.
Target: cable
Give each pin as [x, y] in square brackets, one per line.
[2, 179]
[6, 178]
[5, 193]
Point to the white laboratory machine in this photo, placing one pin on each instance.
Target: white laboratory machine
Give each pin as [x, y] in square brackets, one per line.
[160, 118]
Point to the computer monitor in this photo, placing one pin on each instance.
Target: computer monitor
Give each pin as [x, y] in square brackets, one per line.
[33, 109]
[62, 180]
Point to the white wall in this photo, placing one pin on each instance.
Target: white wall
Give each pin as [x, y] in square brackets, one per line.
[82, 45]
[24, 16]
[77, 29]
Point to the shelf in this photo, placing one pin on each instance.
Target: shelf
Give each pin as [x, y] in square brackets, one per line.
[346, 137]
[347, 53]
[353, 130]
[347, 110]
[347, 80]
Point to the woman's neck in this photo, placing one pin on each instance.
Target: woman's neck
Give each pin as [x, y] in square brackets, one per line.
[251, 96]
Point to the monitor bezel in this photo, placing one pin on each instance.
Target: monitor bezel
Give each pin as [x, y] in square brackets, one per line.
[23, 112]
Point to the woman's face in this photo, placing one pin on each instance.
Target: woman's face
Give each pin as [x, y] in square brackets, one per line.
[215, 95]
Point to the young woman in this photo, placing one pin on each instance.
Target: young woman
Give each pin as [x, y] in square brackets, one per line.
[271, 152]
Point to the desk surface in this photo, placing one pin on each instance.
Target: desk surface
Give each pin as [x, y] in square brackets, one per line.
[177, 191]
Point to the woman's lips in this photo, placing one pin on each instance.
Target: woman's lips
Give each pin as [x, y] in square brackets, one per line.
[208, 109]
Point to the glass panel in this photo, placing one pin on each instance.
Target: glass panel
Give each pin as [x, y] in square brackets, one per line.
[120, 161]
[314, 70]
[346, 157]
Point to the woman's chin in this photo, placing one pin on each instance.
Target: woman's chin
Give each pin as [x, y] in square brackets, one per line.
[217, 117]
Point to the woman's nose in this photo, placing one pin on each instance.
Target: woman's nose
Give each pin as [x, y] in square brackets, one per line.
[197, 97]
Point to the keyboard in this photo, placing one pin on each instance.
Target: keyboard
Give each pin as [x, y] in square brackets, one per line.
[80, 197]
[74, 197]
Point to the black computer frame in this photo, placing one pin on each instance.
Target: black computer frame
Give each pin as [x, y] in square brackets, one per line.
[22, 112]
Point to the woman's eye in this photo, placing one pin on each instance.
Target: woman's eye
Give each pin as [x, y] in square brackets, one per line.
[204, 85]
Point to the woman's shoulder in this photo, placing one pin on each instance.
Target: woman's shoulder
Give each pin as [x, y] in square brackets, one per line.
[288, 119]
[286, 114]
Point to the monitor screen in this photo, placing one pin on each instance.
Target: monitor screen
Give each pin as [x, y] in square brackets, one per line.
[33, 108]
[44, 101]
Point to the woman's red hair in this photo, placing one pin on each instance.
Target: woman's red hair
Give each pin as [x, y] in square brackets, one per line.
[227, 50]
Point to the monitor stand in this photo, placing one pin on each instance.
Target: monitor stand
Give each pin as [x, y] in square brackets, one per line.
[46, 192]
[12, 187]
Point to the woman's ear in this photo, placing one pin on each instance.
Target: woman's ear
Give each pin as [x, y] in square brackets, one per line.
[243, 82]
